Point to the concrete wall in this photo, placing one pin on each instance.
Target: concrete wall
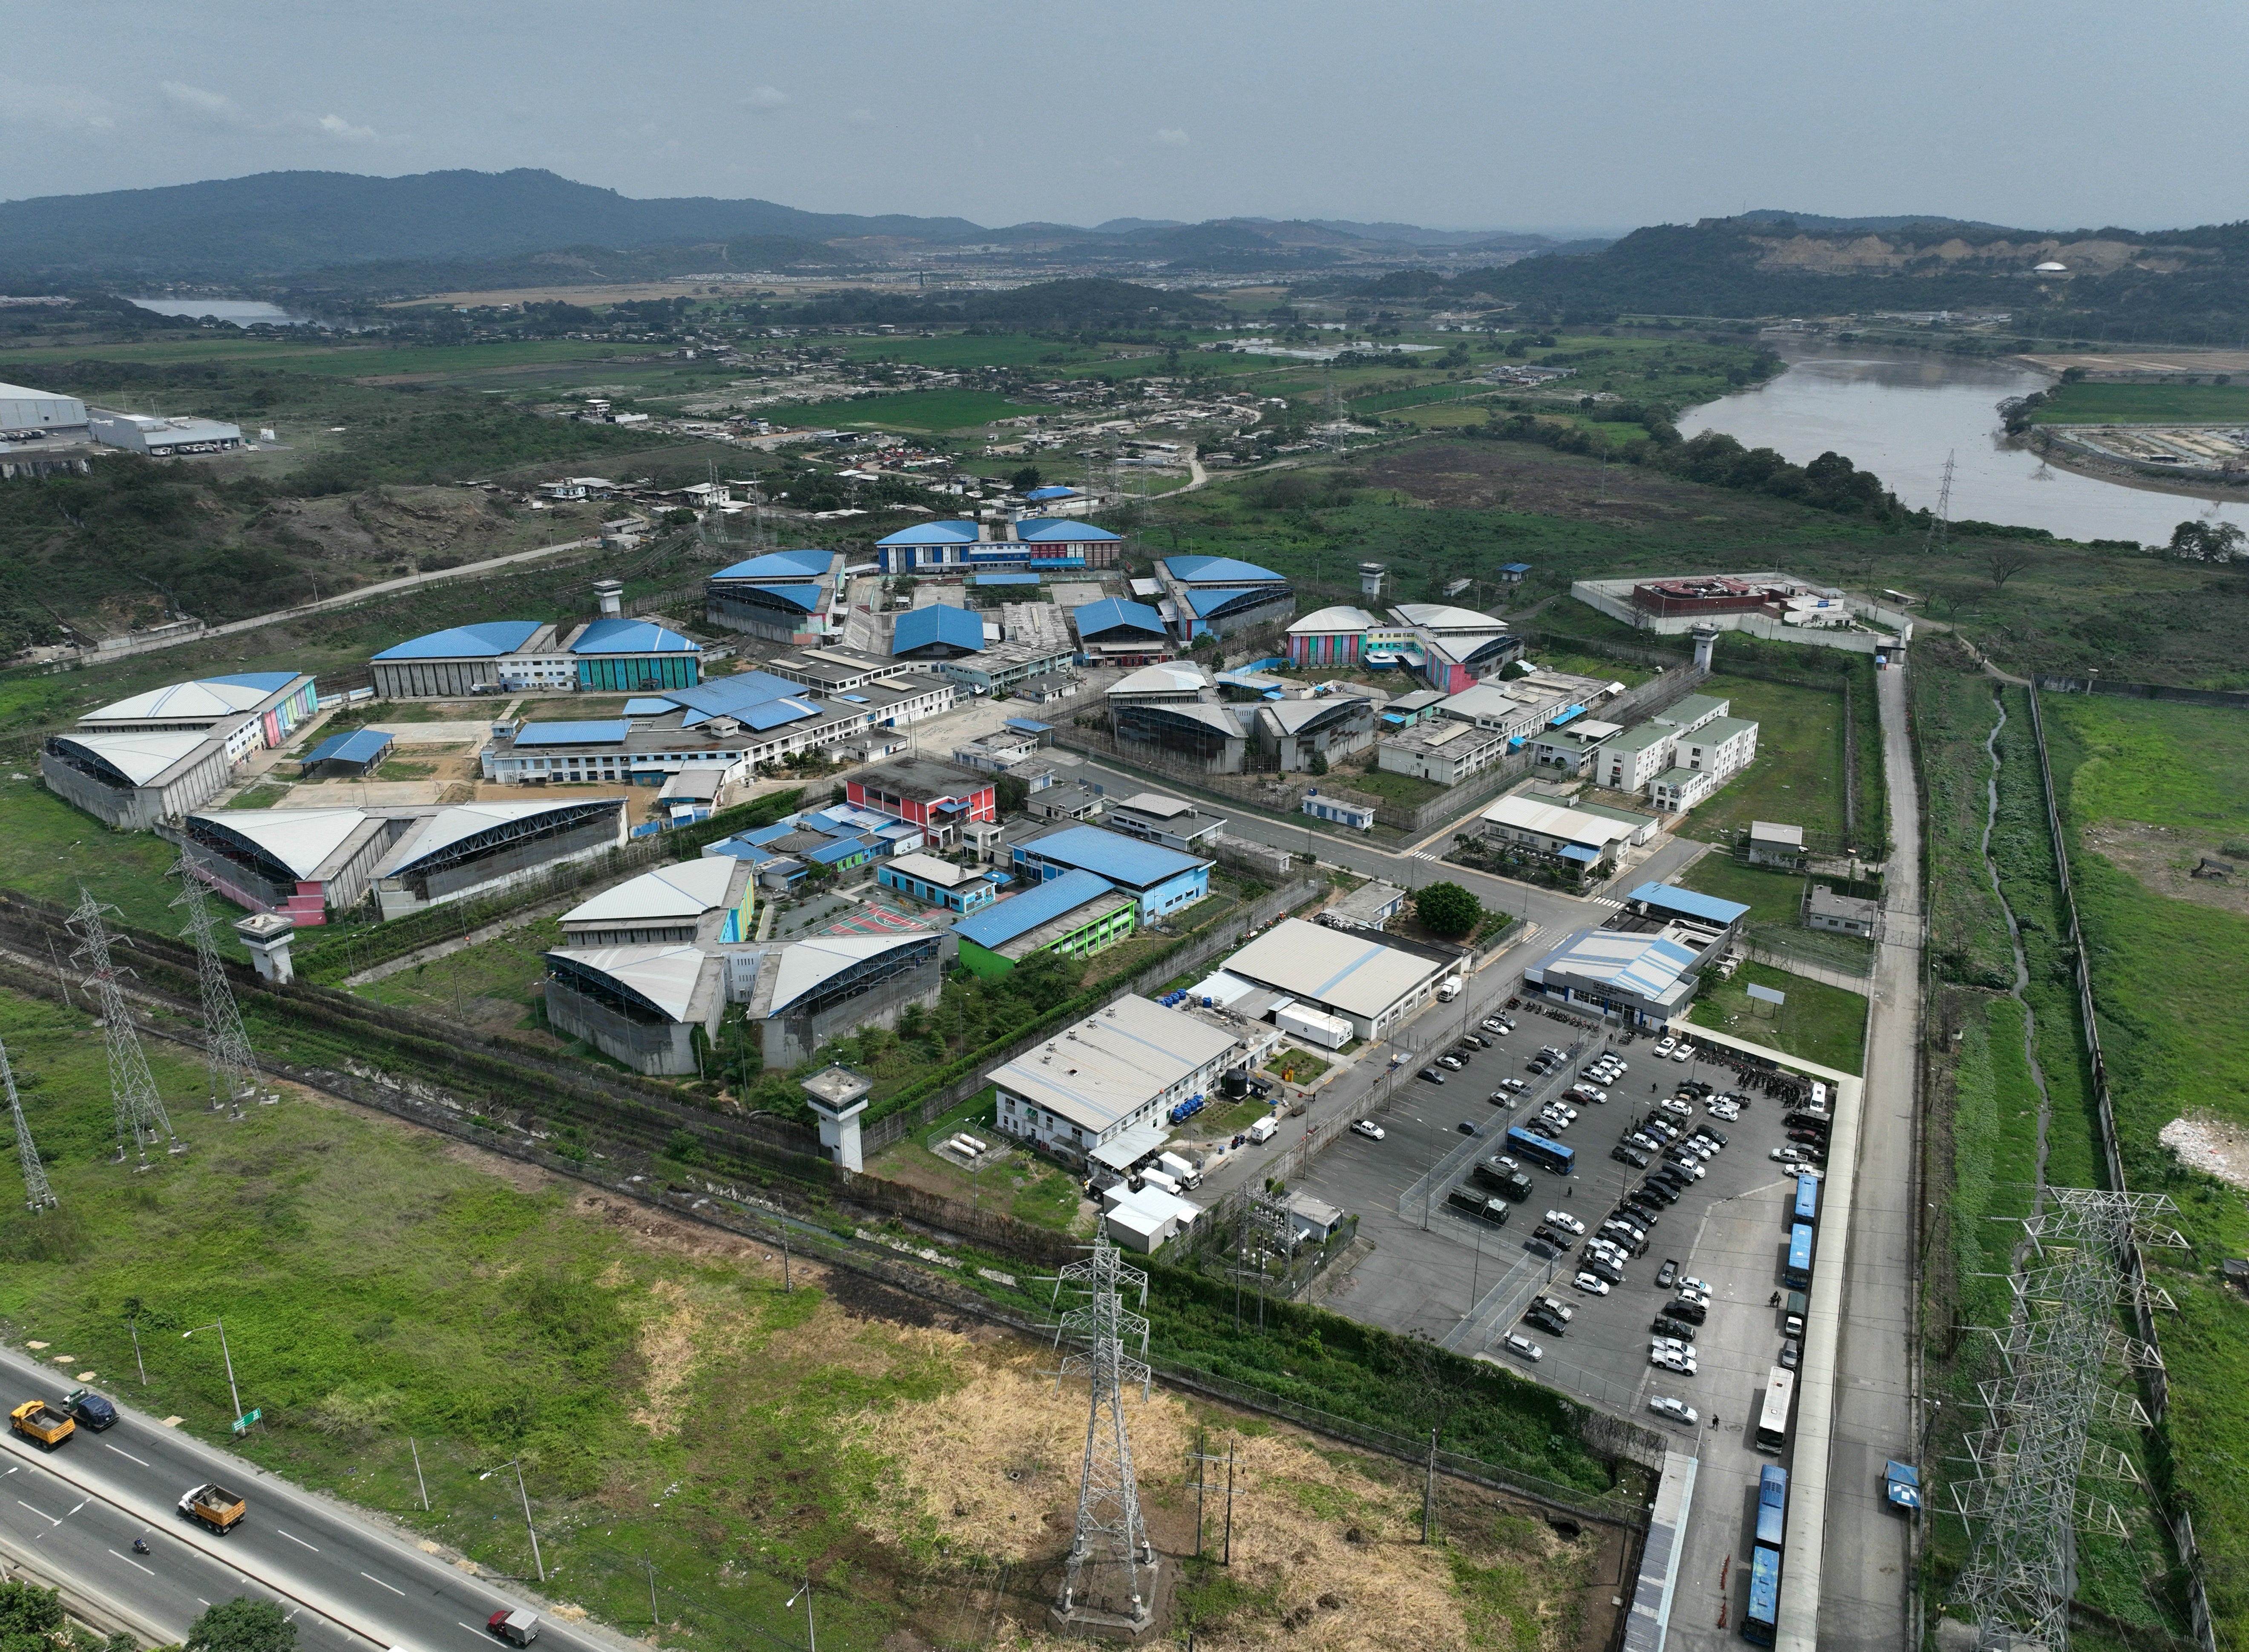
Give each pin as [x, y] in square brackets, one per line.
[657, 1049]
[792, 1039]
[430, 678]
[137, 808]
[1619, 606]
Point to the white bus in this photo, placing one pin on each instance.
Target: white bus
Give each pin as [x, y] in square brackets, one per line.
[1772, 1421]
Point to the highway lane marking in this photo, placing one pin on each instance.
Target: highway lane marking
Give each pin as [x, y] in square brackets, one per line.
[127, 1455]
[299, 1541]
[42, 1513]
[470, 1627]
[380, 1584]
[75, 1507]
[135, 1565]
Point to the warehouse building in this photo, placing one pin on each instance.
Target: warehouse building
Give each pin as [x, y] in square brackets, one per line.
[836, 670]
[1646, 979]
[306, 863]
[160, 438]
[825, 987]
[1172, 822]
[783, 596]
[1037, 545]
[1372, 982]
[1550, 833]
[711, 901]
[131, 783]
[1447, 752]
[1217, 595]
[251, 712]
[1161, 880]
[938, 883]
[1297, 735]
[1450, 649]
[620, 656]
[27, 415]
[641, 1006]
[1115, 632]
[939, 631]
[1075, 915]
[609, 655]
[1123, 1067]
[1009, 667]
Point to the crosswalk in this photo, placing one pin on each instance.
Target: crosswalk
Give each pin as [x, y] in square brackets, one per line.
[1604, 900]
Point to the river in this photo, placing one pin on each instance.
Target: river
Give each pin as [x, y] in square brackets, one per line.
[241, 312]
[1898, 414]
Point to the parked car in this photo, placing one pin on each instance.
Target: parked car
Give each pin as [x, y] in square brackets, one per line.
[1450, 1063]
[1564, 1219]
[1516, 1085]
[1602, 1268]
[1592, 1284]
[1664, 1192]
[1673, 1410]
[1807, 1137]
[1668, 1273]
[1690, 1283]
[1675, 1107]
[1367, 1128]
[1629, 1155]
[1730, 1111]
[1667, 1045]
[1552, 1120]
[1430, 1075]
[1670, 1361]
[1688, 1293]
[1555, 1306]
[1494, 1025]
[1517, 1343]
[1670, 1329]
[1790, 1156]
[1645, 1142]
[1792, 1350]
[1465, 1127]
[1550, 1237]
[1676, 1345]
[1684, 1053]
[1538, 1320]
[1687, 1312]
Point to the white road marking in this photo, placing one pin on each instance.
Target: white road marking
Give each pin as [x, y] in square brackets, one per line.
[135, 1565]
[299, 1541]
[42, 1513]
[379, 1583]
[470, 1627]
[127, 1455]
[75, 1507]
[201, 1602]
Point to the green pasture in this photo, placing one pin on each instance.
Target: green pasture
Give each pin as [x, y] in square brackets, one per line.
[1818, 1022]
[2145, 404]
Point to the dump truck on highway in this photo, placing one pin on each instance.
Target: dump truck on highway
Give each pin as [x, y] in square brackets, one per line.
[214, 1508]
[37, 1421]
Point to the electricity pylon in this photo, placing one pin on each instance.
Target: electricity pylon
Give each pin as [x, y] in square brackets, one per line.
[37, 1194]
[1939, 538]
[132, 1087]
[226, 1046]
[1110, 1554]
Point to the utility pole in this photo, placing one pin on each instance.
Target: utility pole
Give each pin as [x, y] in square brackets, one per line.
[38, 1194]
[219, 1326]
[141, 1112]
[1938, 539]
[1429, 1490]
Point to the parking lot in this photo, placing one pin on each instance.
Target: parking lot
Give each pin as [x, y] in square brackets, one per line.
[1464, 1282]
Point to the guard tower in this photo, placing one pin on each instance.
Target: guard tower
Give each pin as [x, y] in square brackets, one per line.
[838, 1097]
[1706, 642]
[268, 936]
[1371, 575]
[611, 595]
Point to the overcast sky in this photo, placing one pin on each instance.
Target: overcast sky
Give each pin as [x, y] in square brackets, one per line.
[1489, 114]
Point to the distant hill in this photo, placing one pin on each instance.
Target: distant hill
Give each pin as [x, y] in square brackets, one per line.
[2181, 285]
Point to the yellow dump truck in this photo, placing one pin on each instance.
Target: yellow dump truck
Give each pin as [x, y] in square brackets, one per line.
[213, 1507]
[37, 1419]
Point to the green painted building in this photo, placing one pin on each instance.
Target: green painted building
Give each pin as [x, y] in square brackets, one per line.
[1076, 914]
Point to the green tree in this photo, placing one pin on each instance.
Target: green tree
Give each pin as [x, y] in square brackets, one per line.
[1446, 909]
[1025, 479]
[242, 1626]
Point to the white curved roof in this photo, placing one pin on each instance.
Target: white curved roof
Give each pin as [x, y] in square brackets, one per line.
[666, 976]
[685, 891]
[1342, 617]
[211, 699]
[140, 758]
[300, 838]
[1175, 678]
[448, 826]
[1442, 617]
[810, 963]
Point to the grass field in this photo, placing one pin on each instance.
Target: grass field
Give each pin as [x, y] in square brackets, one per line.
[494, 981]
[1407, 791]
[1798, 776]
[1819, 1023]
[962, 349]
[673, 1408]
[929, 410]
[49, 851]
[2174, 1028]
[1772, 897]
[2145, 404]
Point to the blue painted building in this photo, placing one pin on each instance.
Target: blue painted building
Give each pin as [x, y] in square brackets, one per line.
[787, 596]
[939, 631]
[1161, 880]
[1219, 595]
[1037, 546]
[618, 655]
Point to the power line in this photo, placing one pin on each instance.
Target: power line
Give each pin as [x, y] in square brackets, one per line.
[133, 1089]
[1939, 538]
[1109, 1552]
[226, 1046]
[37, 1194]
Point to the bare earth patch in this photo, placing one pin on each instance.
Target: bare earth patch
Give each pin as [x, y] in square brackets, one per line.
[2163, 858]
[2210, 1145]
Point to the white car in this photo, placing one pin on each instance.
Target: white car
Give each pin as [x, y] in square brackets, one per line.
[1673, 1344]
[1690, 1283]
[1524, 1346]
[1667, 1045]
[1492, 1024]
[1367, 1128]
[1670, 1361]
[1593, 1285]
[1788, 1156]
[1685, 1052]
[1564, 1220]
[1688, 1294]
[1673, 1410]
[1562, 1107]
[1675, 1107]
[1728, 1110]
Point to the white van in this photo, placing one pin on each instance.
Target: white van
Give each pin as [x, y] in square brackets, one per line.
[1178, 1169]
[1449, 989]
[1154, 1177]
[1265, 1129]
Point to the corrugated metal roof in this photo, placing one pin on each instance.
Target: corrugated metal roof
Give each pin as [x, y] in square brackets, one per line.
[665, 976]
[488, 639]
[1206, 602]
[448, 826]
[1211, 570]
[779, 564]
[264, 682]
[1019, 914]
[1692, 902]
[140, 758]
[615, 635]
[939, 623]
[212, 697]
[1647, 966]
[1095, 619]
[1346, 970]
[594, 734]
[300, 838]
[361, 745]
[810, 963]
[687, 889]
[1070, 530]
[1126, 861]
[933, 534]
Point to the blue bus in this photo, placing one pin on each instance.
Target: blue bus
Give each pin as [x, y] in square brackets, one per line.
[1772, 1505]
[1761, 1620]
[1548, 1155]
[1807, 1208]
[1798, 1273]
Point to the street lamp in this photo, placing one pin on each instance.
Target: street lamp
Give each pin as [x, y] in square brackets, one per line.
[516, 1464]
[811, 1633]
[219, 1326]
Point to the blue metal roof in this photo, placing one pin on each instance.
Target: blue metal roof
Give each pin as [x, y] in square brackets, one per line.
[773, 713]
[1027, 725]
[841, 848]
[648, 706]
[1125, 861]
[601, 734]
[1068, 528]
[361, 745]
[1057, 491]
[933, 534]
[1208, 602]
[939, 623]
[615, 635]
[268, 681]
[1515, 567]
[1003, 579]
[804, 596]
[726, 696]
[779, 564]
[1576, 851]
[488, 639]
[1671, 898]
[1096, 619]
[1020, 914]
[1208, 570]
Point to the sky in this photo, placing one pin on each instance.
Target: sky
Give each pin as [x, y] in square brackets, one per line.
[1597, 115]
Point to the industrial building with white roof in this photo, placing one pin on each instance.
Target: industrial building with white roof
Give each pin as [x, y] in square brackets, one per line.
[154, 756]
[1372, 982]
[1125, 1065]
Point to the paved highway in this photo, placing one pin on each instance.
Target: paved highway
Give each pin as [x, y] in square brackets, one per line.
[68, 1517]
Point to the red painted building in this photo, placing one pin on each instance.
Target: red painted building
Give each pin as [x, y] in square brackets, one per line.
[937, 796]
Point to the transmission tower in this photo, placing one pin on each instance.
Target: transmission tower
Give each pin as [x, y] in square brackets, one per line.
[1111, 1573]
[1940, 522]
[140, 1110]
[2024, 1495]
[226, 1046]
[37, 1194]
